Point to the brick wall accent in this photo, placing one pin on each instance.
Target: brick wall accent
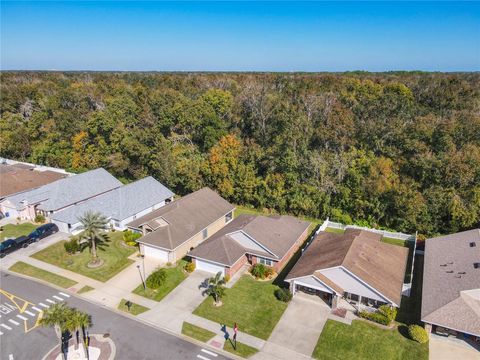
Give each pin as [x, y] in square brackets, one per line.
[237, 266]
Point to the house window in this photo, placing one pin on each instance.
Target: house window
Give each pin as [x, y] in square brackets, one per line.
[205, 233]
[229, 217]
[264, 261]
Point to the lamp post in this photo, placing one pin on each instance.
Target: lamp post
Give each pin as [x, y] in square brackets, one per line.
[143, 264]
[141, 277]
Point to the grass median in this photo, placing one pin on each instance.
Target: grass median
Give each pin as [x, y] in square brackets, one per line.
[135, 309]
[33, 271]
[197, 332]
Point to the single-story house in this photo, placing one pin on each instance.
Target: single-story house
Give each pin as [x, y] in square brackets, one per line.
[451, 284]
[354, 265]
[121, 205]
[58, 195]
[18, 178]
[250, 239]
[171, 231]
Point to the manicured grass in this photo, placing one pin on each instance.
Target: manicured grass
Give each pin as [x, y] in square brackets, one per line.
[85, 289]
[393, 241]
[365, 341]
[14, 231]
[135, 309]
[250, 303]
[175, 275]
[29, 270]
[196, 332]
[242, 350]
[334, 230]
[114, 254]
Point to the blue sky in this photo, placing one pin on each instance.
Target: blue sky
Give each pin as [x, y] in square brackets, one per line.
[230, 36]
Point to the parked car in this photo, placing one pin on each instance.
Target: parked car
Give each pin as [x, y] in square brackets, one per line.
[43, 231]
[7, 247]
[23, 241]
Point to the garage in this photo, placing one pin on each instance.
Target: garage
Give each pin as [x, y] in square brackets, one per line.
[313, 287]
[209, 266]
[155, 253]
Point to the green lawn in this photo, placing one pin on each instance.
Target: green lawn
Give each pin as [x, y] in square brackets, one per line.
[114, 254]
[250, 303]
[410, 307]
[334, 230]
[85, 289]
[29, 270]
[175, 275]
[196, 332]
[135, 309]
[14, 231]
[393, 241]
[363, 341]
[242, 350]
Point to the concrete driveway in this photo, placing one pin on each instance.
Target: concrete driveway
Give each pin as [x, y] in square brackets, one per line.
[447, 349]
[301, 325]
[179, 304]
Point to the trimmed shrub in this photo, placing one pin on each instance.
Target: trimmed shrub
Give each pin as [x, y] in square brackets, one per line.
[259, 271]
[71, 246]
[226, 278]
[418, 334]
[269, 271]
[156, 279]
[389, 312]
[130, 237]
[189, 267]
[283, 294]
[375, 317]
[39, 218]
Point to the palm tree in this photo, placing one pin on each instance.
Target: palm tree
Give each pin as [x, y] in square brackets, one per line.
[78, 320]
[56, 316]
[215, 287]
[94, 226]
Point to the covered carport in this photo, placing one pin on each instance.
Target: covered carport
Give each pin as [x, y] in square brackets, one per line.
[312, 286]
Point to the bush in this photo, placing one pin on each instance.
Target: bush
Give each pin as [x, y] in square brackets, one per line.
[389, 312]
[39, 218]
[259, 271]
[130, 237]
[226, 278]
[375, 317]
[283, 294]
[189, 267]
[418, 334]
[269, 271]
[156, 279]
[71, 246]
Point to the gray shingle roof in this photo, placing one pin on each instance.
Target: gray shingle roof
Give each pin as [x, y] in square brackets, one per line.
[276, 234]
[119, 203]
[448, 280]
[68, 191]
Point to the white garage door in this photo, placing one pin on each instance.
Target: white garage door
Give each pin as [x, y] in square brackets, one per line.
[155, 253]
[209, 267]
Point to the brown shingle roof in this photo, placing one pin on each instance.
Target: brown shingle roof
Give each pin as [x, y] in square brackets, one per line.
[450, 295]
[380, 265]
[185, 218]
[15, 179]
[277, 234]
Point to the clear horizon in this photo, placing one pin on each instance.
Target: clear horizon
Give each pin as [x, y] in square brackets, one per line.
[241, 37]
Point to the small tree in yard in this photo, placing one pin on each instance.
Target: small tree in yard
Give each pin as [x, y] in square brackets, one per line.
[216, 287]
[77, 321]
[56, 316]
[94, 226]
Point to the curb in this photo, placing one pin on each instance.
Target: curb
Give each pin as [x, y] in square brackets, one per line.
[132, 317]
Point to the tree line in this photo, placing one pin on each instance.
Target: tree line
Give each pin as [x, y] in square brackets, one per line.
[396, 150]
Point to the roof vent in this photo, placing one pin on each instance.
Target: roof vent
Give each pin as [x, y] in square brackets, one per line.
[472, 244]
[476, 265]
[461, 272]
[449, 272]
[443, 265]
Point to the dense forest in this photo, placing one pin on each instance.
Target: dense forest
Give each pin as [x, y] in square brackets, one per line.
[393, 150]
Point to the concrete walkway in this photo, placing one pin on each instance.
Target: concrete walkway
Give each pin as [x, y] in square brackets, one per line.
[301, 324]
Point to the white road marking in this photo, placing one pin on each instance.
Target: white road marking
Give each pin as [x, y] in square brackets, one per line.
[209, 353]
[10, 357]
[30, 313]
[63, 294]
[22, 317]
[202, 357]
[13, 322]
[6, 327]
[34, 308]
[57, 297]
[50, 301]
[43, 305]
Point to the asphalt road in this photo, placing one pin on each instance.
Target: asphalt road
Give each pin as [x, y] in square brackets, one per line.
[21, 339]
